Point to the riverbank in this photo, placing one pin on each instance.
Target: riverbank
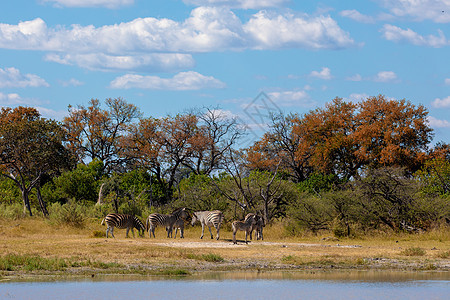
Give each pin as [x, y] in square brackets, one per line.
[33, 247]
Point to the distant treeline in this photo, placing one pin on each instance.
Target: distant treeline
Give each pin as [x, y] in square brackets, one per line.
[346, 167]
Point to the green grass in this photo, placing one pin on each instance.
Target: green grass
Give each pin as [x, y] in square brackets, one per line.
[413, 251]
[13, 262]
[210, 257]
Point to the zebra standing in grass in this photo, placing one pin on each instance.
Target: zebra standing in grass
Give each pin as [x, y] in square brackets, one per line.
[208, 218]
[166, 221]
[243, 226]
[258, 227]
[123, 221]
[179, 224]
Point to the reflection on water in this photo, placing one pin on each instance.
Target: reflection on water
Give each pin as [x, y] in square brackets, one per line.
[242, 285]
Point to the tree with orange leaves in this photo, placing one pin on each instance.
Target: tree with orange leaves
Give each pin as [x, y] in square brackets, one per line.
[344, 137]
[30, 146]
[95, 133]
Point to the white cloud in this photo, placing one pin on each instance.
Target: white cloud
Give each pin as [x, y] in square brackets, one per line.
[357, 16]
[355, 97]
[91, 3]
[181, 81]
[153, 62]
[441, 103]
[325, 73]
[245, 4]
[271, 31]
[355, 77]
[10, 99]
[447, 81]
[396, 34]
[290, 98]
[11, 77]
[52, 114]
[71, 82]
[207, 29]
[434, 10]
[438, 123]
[385, 76]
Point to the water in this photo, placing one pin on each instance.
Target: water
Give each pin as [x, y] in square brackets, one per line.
[245, 285]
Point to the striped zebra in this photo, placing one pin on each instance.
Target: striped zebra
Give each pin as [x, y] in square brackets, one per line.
[166, 221]
[122, 221]
[243, 226]
[258, 227]
[208, 218]
[179, 224]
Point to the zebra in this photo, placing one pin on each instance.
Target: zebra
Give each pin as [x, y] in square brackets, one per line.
[167, 221]
[243, 226]
[208, 218]
[122, 221]
[258, 227]
[179, 224]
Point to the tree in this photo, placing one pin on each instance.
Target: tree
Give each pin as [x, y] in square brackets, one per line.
[217, 133]
[96, 133]
[344, 139]
[30, 146]
[392, 133]
[282, 143]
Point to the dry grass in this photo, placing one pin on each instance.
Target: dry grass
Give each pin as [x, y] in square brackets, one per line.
[87, 248]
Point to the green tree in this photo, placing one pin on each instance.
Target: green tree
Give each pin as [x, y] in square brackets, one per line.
[30, 146]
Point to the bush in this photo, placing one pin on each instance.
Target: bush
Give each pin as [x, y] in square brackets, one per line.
[413, 251]
[70, 214]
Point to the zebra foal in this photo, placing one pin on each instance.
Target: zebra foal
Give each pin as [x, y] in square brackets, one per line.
[166, 221]
[122, 221]
[258, 227]
[179, 224]
[245, 225]
[208, 218]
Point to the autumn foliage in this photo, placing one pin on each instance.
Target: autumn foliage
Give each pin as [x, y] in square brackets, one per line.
[346, 138]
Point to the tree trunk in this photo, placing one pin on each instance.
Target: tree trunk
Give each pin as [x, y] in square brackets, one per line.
[100, 195]
[26, 202]
[41, 201]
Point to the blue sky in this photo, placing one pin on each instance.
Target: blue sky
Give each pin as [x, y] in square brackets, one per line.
[166, 56]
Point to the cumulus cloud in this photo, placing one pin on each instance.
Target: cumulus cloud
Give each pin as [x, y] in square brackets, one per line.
[11, 77]
[71, 82]
[385, 76]
[441, 103]
[91, 3]
[397, 34]
[325, 73]
[357, 16]
[207, 29]
[245, 4]
[181, 81]
[291, 98]
[10, 99]
[356, 77]
[153, 62]
[447, 81]
[434, 10]
[436, 123]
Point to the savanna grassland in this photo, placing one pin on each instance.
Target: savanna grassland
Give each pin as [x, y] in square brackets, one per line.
[34, 247]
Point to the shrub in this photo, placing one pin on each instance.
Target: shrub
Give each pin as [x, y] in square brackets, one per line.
[70, 214]
[413, 251]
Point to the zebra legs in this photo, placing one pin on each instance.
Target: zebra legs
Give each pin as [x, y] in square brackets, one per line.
[203, 230]
[218, 230]
[110, 229]
[209, 227]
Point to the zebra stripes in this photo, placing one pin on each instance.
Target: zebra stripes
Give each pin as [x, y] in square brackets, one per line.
[243, 226]
[258, 227]
[208, 218]
[166, 221]
[122, 221]
[179, 224]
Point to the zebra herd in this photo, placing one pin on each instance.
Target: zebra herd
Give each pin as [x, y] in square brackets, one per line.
[176, 219]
